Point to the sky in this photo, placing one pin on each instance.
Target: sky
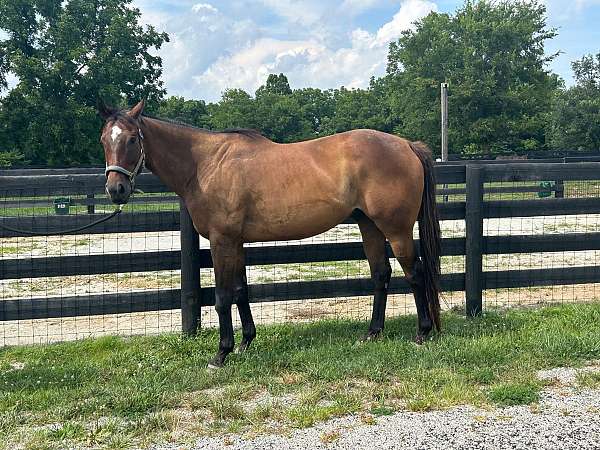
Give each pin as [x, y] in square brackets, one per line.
[220, 44]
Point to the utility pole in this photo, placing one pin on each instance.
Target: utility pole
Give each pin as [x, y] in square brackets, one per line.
[444, 99]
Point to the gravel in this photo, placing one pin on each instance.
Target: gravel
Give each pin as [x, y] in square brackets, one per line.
[567, 417]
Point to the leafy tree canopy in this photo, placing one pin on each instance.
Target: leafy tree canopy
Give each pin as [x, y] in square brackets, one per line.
[193, 112]
[65, 53]
[503, 99]
[492, 55]
[575, 120]
[276, 84]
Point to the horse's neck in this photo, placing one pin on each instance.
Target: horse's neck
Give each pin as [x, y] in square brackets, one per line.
[174, 154]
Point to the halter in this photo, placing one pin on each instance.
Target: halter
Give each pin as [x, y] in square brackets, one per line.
[138, 167]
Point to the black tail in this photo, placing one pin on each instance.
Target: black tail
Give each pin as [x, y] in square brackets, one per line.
[429, 233]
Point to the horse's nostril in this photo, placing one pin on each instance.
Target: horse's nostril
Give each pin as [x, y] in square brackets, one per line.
[121, 188]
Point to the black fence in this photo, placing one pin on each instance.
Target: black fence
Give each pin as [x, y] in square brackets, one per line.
[472, 193]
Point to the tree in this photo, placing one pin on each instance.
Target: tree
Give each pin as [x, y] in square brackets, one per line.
[278, 113]
[276, 84]
[279, 117]
[317, 108]
[492, 55]
[64, 55]
[192, 112]
[356, 108]
[587, 71]
[575, 121]
[236, 109]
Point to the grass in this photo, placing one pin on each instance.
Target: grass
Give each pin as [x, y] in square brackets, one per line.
[589, 379]
[115, 392]
[515, 393]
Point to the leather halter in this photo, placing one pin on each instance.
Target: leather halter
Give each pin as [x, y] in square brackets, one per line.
[138, 167]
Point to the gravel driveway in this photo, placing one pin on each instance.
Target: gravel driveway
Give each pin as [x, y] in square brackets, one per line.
[567, 417]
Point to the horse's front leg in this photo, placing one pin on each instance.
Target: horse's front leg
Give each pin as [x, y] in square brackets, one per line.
[228, 262]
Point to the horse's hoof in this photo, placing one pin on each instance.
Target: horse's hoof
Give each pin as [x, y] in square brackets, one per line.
[420, 339]
[216, 363]
[371, 336]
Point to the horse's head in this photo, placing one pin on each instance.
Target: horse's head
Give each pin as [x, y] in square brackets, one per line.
[123, 145]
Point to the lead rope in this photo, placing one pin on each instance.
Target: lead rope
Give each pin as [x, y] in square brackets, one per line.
[131, 174]
[116, 212]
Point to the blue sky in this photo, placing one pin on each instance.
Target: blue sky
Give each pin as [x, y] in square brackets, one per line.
[219, 44]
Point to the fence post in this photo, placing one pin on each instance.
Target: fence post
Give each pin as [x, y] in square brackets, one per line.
[474, 240]
[91, 207]
[190, 272]
[559, 186]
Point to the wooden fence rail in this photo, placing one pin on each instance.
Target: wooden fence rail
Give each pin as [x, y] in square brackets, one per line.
[29, 187]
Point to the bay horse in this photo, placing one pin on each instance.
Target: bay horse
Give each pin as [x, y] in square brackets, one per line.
[241, 187]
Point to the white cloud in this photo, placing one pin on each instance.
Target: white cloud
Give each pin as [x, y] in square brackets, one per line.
[216, 45]
[358, 6]
[312, 62]
[248, 68]
[204, 8]
[199, 33]
[410, 11]
[580, 4]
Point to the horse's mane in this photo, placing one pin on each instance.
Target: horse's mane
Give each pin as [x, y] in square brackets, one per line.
[248, 132]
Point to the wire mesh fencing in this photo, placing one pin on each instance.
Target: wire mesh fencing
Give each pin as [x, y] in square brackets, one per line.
[123, 277]
[54, 285]
[576, 230]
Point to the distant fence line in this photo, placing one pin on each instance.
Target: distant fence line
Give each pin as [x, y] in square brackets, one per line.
[468, 180]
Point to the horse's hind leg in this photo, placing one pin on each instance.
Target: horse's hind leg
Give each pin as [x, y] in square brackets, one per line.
[241, 298]
[404, 250]
[381, 271]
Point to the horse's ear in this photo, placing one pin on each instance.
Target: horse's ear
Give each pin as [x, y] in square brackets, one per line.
[104, 110]
[137, 110]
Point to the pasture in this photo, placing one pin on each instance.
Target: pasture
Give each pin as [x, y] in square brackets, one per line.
[116, 392]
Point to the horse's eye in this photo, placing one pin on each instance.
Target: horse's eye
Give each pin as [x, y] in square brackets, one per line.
[131, 140]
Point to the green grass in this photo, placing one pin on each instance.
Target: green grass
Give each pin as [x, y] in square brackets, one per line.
[572, 189]
[515, 393]
[82, 210]
[589, 379]
[113, 392]
[8, 250]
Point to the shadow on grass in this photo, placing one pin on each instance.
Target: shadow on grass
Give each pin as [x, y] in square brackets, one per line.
[400, 329]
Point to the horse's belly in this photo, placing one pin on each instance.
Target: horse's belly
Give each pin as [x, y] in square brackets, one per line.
[296, 223]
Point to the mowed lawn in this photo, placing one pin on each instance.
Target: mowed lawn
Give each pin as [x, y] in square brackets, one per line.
[119, 392]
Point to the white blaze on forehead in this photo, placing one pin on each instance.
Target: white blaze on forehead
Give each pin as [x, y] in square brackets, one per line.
[116, 131]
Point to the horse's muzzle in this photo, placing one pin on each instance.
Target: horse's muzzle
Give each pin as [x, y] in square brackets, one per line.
[118, 189]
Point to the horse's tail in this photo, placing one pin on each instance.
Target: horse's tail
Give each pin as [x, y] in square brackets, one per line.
[429, 233]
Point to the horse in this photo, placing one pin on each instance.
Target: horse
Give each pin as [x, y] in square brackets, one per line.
[241, 187]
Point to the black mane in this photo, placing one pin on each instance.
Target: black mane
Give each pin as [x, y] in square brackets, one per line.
[248, 132]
